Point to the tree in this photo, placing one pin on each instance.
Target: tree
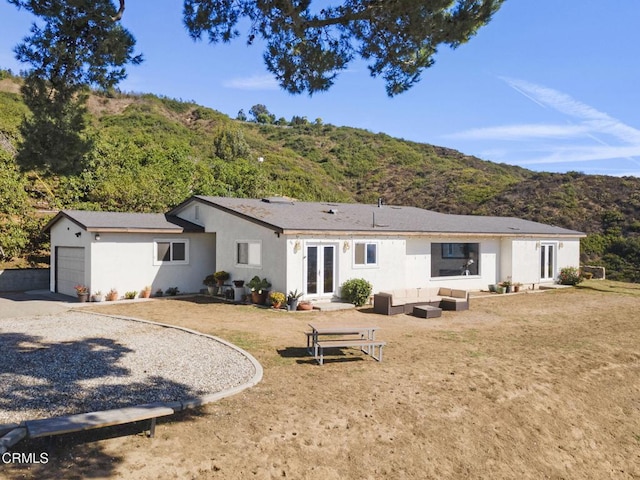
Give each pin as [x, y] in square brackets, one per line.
[261, 114]
[297, 120]
[229, 144]
[53, 137]
[78, 45]
[307, 48]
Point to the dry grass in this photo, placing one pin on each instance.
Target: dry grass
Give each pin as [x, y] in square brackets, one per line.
[535, 385]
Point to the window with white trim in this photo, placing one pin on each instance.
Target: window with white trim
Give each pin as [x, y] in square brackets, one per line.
[171, 251]
[365, 254]
[249, 253]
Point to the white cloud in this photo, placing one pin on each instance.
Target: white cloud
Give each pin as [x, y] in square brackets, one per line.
[563, 103]
[595, 135]
[255, 82]
[522, 132]
[587, 154]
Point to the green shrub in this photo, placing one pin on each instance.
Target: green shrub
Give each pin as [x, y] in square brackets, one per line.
[357, 291]
[570, 276]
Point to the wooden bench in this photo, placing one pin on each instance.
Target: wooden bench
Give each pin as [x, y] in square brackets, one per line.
[106, 418]
[367, 346]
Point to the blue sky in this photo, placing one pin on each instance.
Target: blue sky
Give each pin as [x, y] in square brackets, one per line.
[550, 85]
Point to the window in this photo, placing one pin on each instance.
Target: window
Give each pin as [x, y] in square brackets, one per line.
[454, 259]
[171, 251]
[365, 254]
[249, 253]
[453, 250]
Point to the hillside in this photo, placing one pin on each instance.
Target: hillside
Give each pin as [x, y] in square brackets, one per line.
[150, 153]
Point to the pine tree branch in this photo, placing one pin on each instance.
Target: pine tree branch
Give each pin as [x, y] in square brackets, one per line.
[120, 12]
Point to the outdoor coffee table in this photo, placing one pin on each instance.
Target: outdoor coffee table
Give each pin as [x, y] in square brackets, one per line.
[426, 311]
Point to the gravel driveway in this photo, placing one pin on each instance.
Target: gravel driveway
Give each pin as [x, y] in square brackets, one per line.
[75, 362]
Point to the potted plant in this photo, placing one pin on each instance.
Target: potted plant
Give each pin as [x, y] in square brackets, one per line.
[238, 290]
[277, 299]
[507, 284]
[83, 292]
[221, 277]
[292, 299]
[97, 296]
[258, 288]
[211, 282]
[146, 292]
[159, 293]
[172, 291]
[130, 295]
[305, 305]
[112, 295]
[516, 287]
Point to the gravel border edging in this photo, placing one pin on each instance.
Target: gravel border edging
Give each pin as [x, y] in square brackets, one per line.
[204, 399]
[179, 405]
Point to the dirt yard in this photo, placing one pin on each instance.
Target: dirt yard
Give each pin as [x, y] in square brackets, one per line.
[527, 386]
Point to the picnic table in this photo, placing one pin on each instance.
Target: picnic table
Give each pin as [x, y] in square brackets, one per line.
[342, 336]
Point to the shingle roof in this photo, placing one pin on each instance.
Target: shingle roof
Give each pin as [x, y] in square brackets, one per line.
[287, 216]
[126, 222]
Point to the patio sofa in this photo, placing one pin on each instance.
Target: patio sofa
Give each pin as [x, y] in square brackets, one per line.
[402, 301]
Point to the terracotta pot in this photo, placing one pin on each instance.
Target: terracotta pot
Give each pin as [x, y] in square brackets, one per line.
[145, 293]
[305, 306]
[258, 298]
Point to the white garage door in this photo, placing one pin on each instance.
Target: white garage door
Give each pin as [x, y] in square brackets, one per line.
[69, 269]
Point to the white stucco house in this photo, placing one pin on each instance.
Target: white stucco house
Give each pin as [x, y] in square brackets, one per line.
[309, 246]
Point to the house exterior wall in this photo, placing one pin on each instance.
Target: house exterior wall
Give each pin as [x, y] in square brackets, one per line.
[63, 234]
[525, 258]
[125, 261]
[403, 261]
[525, 262]
[389, 270]
[568, 254]
[229, 230]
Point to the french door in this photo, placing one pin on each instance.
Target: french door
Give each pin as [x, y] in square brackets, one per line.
[320, 278]
[547, 261]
